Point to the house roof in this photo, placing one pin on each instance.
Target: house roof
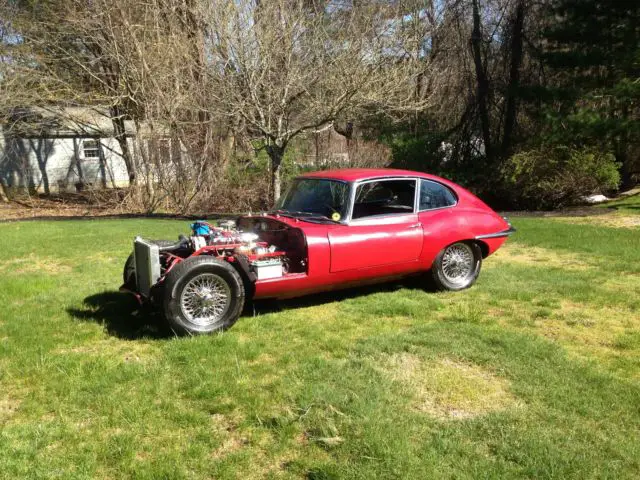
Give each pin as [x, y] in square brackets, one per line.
[56, 122]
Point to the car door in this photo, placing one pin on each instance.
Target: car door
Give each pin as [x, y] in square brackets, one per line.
[383, 229]
[435, 213]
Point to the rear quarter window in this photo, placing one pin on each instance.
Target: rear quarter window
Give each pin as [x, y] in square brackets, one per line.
[435, 195]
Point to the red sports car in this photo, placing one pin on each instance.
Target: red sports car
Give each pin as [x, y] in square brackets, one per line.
[330, 230]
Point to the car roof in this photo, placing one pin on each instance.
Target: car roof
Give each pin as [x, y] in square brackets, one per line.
[355, 174]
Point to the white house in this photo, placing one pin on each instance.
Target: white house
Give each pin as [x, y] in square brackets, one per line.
[50, 150]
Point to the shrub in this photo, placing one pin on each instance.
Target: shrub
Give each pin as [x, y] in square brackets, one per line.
[558, 176]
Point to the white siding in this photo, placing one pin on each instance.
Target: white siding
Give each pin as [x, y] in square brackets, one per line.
[31, 163]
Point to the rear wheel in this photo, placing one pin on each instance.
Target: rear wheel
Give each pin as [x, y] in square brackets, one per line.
[203, 295]
[457, 266]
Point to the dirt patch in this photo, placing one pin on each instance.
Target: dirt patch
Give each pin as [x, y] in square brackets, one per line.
[12, 212]
[8, 407]
[86, 206]
[263, 358]
[232, 441]
[449, 389]
[11, 397]
[90, 202]
[229, 445]
[542, 257]
[34, 264]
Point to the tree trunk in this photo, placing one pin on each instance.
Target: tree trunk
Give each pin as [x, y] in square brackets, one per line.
[276, 154]
[76, 154]
[514, 77]
[317, 158]
[42, 155]
[103, 165]
[3, 195]
[120, 134]
[226, 147]
[483, 82]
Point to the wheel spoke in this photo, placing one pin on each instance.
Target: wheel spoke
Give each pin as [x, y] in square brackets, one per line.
[458, 263]
[205, 299]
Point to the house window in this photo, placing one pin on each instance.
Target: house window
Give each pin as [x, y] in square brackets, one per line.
[159, 149]
[164, 150]
[434, 195]
[384, 197]
[91, 149]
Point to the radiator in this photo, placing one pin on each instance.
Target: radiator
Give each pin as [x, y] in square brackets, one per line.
[147, 263]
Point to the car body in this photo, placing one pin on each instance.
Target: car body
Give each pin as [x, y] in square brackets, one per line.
[332, 229]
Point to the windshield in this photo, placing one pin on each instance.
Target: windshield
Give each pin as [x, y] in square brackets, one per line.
[315, 196]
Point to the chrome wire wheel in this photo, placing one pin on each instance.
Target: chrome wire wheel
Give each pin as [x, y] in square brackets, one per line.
[458, 264]
[205, 299]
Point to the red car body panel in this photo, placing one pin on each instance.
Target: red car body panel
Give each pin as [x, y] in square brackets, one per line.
[375, 242]
[377, 249]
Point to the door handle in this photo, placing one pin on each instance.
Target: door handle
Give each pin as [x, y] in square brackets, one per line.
[415, 225]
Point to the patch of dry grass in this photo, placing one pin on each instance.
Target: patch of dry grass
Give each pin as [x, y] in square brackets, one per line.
[615, 220]
[231, 439]
[541, 257]
[12, 395]
[114, 349]
[447, 388]
[622, 282]
[8, 406]
[589, 331]
[34, 264]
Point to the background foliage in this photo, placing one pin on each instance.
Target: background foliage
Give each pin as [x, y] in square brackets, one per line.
[474, 90]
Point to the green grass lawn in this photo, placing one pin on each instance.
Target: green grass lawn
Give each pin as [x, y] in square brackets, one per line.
[534, 372]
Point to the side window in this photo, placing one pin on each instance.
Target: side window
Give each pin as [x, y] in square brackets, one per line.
[434, 195]
[384, 197]
[160, 150]
[90, 149]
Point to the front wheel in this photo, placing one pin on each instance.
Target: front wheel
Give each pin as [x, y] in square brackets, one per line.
[457, 266]
[129, 274]
[203, 295]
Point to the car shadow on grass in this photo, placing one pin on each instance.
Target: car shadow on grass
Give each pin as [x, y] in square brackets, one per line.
[124, 318]
[260, 307]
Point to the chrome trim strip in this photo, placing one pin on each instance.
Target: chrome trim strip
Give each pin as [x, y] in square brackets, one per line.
[503, 233]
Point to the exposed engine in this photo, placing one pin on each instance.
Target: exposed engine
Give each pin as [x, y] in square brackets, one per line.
[265, 260]
[262, 247]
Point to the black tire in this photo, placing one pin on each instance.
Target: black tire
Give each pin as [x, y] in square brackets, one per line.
[187, 274]
[129, 271]
[468, 276]
[129, 274]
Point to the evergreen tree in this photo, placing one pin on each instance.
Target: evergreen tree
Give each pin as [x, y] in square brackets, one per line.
[593, 51]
